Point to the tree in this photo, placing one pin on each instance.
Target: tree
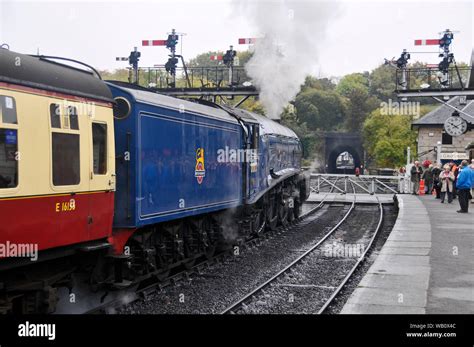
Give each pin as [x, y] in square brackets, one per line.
[309, 139]
[386, 137]
[382, 83]
[355, 88]
[115, 75]
[254, 106]
[320, 109]
[317, 83]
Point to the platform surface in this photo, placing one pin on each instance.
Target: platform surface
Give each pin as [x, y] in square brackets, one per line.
[426, 264]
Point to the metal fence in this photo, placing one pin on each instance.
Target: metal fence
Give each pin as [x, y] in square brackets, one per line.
[367, 184]
[414, 78]
[197, 77]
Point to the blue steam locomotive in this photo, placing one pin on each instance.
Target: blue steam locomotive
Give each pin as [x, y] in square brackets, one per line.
[193, 176]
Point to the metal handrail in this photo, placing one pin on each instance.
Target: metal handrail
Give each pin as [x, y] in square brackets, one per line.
[371, 184]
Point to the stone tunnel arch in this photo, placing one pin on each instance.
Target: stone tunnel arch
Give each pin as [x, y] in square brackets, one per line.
[332, 167]
[336, 143]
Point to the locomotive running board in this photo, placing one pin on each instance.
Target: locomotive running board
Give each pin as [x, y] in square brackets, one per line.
[94, 247]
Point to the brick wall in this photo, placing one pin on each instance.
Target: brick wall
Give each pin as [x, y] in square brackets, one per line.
[427, 142]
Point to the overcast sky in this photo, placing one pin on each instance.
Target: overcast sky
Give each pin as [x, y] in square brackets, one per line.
[360, 36]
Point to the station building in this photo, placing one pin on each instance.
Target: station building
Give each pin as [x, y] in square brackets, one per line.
[431, 134]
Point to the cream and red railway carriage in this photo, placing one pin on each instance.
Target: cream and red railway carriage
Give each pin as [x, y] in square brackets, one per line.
[57, 161]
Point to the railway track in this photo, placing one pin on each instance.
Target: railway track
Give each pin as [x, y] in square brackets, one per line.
[132, 295]
[263, 289]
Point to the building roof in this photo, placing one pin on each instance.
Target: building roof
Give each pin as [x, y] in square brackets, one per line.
[42, 73]
[438, 116]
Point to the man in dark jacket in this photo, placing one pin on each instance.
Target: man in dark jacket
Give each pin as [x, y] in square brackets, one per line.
[428, 177]
[416, 172]
[436, 184]
[463, 186]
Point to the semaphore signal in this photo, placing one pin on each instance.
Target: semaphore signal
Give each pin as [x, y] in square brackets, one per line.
[154, 43]
[248, 41]
[132, 59]
[428, 42]
[171, 42]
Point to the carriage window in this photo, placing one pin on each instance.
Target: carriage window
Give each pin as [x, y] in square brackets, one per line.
[8, 110]
[8, 158]
[99, 143]
[73, 121]
[55, 114]
[66, 159]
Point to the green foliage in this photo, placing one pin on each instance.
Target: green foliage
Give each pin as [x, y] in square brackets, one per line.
[320, 109]
[359, 101]
[254, 106]
[311, 142]
[382, 83]
[115, 75]
[203, 70]
[386, 138]
[204, 59]
[317, 83]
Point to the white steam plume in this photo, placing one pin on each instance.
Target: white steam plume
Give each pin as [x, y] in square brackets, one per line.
[293, 33]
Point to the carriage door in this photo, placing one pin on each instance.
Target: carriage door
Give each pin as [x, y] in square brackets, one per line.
[101, 173]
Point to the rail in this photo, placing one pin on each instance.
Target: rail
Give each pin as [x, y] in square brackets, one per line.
[234, 307]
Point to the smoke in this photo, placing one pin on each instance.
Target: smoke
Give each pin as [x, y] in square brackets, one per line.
[316, 165]
[291, 34]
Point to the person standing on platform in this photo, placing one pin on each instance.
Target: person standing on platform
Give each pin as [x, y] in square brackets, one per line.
[416, 172]
[436, 183]
[446, 179]
[428, 177]
[464, 185]
[455, 171]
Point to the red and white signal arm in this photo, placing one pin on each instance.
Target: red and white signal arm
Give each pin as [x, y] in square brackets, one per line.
[247, 41]
[427, 42]
[216, 57]
[153, 42]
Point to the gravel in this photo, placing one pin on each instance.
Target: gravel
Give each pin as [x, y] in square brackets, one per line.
[312, 281]
[303, 290]
[221, 284]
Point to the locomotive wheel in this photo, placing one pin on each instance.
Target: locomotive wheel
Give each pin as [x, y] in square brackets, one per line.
[291, 214]
[175, 235]
[272, 215]
[211, 239]
[202, 227]
[283, 213]
[297, 209]
[258, 223]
